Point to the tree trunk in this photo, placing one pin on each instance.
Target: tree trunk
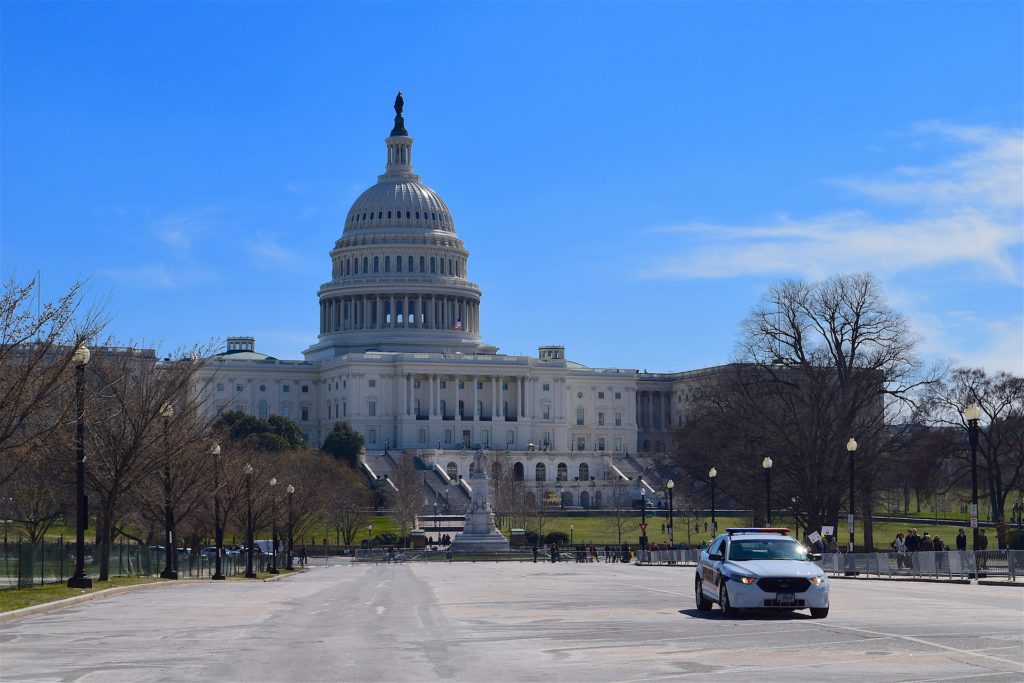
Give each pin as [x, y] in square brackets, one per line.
[104, 541]
[867, 510]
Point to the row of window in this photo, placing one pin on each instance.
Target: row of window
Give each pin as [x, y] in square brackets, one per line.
[263, 412]
[285, 388]
[581, 415]
[409, 215]
[434, 264]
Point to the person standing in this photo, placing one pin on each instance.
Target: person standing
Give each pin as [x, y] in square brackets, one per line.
[961, 540]
[900, 548]
[983, 546]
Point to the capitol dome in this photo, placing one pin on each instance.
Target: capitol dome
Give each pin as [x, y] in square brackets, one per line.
[398, 271]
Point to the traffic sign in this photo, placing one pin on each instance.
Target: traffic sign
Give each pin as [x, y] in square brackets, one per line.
[643, 526]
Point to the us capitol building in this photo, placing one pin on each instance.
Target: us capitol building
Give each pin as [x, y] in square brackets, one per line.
[400, 357]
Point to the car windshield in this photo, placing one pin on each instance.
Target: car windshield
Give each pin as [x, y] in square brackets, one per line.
[767, 549]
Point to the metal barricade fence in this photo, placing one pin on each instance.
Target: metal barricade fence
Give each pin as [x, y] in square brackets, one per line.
[945, 564]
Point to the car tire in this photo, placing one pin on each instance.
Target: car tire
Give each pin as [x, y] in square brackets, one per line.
[819, 612]
[723, 601]
[703, 603]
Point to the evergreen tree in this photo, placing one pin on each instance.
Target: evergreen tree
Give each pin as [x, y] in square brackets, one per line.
[343, 443]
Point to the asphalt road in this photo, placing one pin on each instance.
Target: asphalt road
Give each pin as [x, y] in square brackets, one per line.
[513, 622]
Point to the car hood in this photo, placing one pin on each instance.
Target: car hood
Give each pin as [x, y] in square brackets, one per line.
[761, 568]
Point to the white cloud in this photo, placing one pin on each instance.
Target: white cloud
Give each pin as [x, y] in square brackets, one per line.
[972, 341]
[158, 276]
[267, 251]
[177, 230]
[968, 211]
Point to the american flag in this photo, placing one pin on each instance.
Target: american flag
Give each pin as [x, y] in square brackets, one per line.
[458, 324]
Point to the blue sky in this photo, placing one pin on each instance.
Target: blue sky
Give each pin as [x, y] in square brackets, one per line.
[628, 177]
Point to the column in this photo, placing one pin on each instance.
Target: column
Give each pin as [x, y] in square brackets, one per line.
[456, 410]
[437, 395]
[403, 396]
[494, 397]
[430, 408]
[476, 415]
[428, 301]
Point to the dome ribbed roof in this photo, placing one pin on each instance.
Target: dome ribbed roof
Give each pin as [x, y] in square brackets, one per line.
[401, 203]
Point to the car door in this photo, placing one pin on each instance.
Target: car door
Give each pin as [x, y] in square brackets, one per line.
[711, 569]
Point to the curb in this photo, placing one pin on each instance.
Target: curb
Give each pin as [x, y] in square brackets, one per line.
[54, 605]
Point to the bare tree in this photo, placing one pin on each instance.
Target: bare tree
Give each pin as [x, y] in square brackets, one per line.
[126, 389]
[38, 493]
[1001, 436]
[620, 504]
[407, 501]
[349, 505]
[818, 363]
[37, 343]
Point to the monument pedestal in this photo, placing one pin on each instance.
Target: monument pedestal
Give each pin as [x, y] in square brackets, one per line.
[479, 534]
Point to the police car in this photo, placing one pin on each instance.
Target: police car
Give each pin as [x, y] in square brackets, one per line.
[755, 568]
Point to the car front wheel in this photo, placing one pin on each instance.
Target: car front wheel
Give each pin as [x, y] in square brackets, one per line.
[703, 603]
[723, 600]
[819, 612]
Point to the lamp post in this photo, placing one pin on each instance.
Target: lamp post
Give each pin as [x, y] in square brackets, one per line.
[851, 448]
[447, 507]
[712, 474]
[571, 527]
[766, 464]
[288, 560]
[78, 579]
[369, 537]
[249, 573]
[169, 572]
[273, 528]
[972, 413]
[796, 516]
[218, 531]
[437, 536]
[643, 517]
[670, 485]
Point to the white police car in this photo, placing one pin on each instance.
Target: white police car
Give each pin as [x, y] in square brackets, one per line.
[760, 569]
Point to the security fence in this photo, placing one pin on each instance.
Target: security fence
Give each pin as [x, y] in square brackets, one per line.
[947, 564]
[25, 564]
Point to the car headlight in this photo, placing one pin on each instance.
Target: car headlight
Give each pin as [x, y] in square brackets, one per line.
[817, 580]
[747, 580]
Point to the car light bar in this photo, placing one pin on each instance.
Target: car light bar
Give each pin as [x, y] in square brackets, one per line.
[757, 530]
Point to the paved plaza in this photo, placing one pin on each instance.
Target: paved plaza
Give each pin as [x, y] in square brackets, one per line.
[513, 622]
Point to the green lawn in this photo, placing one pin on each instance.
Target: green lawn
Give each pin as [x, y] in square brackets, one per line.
[17, 598]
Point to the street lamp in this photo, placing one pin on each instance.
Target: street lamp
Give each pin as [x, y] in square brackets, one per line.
[249, 573]
[643, 517]
[972, 413]
[767, 465]
[218, 531]
[571, 527]
[369, 538]
[447, 507]
[796, 516]
[712, 473]
[670, 485]
[169, 572]
[851, 447]
[288, 560]
[78, 579]
[273, 528]
[437, 537]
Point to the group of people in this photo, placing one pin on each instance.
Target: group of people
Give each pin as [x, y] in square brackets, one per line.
[588, 553]
[903, 546]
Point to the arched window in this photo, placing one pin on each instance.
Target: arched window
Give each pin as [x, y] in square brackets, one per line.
[584, 499]
[432, 265]
[348, 266]
[417, 215]
[452, 470]
[410, 264]
[398, 264]
[584, 472]
[580, 415]
[407, 215]
[263, 410]
[566, 498]
[450, 267]
[472, 467]
[563, 472]
[389, 215]
[442, 266]
[376, 264]
[517, 471]
[355, 266]
[433, 215]
[380, 214]
[541, 472]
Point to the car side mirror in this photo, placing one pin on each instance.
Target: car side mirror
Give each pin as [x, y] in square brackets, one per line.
[715, 556]
[813, 557]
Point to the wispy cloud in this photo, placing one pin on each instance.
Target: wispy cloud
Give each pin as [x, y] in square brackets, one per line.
[267, 251]
[159, 276]
[178, 230]
[965, 211]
